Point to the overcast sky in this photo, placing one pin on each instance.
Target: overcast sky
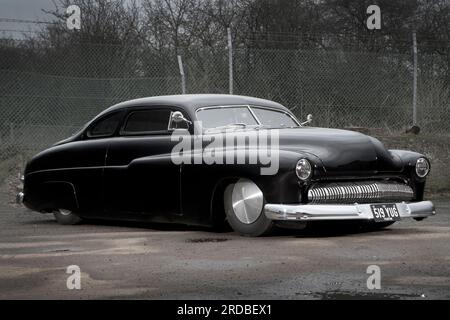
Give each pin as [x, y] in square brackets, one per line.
[24, 10]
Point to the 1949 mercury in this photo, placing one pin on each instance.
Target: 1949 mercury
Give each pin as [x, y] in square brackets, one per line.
[121, 166]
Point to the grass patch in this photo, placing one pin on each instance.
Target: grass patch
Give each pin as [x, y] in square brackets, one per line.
[11, 166]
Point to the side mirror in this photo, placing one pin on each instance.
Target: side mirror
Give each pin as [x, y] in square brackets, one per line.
[177, 117]
[309, 119]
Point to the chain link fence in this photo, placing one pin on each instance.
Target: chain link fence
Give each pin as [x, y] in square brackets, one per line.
[47, 93]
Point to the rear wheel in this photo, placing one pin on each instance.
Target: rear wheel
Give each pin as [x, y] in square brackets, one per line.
[66, 217]
[244, 209]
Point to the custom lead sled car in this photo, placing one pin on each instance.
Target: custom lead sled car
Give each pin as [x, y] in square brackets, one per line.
[119, 166]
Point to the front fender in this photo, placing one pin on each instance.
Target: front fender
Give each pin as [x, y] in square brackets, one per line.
[285, 187]
[409, 159]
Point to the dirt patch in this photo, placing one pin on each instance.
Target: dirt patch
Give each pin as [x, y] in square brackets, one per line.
[348, 295]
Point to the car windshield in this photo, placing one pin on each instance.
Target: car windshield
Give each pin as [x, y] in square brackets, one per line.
[242, 117]
[226, 116]
[274, 118]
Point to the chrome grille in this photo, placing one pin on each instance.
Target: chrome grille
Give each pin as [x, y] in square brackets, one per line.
[362, 192]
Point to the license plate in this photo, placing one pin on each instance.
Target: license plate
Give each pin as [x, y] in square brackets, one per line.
[385, 212]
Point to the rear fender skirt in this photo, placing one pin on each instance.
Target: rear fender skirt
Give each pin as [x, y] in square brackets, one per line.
[52, 195]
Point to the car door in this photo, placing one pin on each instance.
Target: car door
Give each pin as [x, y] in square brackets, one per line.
[140, 179]
[86, 158]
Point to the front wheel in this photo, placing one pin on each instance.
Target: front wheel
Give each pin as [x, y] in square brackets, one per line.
[66, 217]
[244, 209]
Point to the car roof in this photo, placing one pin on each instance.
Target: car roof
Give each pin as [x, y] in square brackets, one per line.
[192, 102]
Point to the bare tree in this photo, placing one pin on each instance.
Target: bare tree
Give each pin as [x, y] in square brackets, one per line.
[102, 21]
[170, 23]
[109, 34]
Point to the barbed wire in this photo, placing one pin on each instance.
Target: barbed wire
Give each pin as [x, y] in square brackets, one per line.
[12, 20]
[359, 33]
[18, 31]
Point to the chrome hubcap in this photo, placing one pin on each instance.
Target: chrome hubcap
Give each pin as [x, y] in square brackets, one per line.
[247, 201]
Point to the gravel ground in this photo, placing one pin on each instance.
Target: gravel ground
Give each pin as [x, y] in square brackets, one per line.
[132, 261]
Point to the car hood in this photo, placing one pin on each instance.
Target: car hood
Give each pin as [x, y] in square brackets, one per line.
[341, 151]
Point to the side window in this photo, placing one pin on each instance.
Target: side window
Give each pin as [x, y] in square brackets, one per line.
[147, 121]
[105, 127]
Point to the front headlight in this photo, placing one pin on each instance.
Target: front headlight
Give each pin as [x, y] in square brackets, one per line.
[422, 167]
[303, 169]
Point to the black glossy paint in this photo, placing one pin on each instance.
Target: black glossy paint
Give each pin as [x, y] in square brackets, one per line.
[134, 178]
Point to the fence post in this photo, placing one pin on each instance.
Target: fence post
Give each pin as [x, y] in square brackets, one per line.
[230, 60]
[415, 79]
[183, 79]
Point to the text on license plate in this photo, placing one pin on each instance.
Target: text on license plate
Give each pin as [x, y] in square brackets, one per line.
[385, 212]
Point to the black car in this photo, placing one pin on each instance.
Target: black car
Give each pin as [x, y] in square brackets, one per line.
[121, 166]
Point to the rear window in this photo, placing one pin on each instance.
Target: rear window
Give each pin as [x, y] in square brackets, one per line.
[147, 121]
[105, 127]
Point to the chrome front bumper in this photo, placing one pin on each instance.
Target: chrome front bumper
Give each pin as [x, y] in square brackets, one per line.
[314, 212]
[19, 198]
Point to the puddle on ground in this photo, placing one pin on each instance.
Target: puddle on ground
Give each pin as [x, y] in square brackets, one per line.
[201, 240]
[349, 295]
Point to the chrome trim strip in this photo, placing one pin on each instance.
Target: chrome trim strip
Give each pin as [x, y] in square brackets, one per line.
[356, 211]
[254, 115]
